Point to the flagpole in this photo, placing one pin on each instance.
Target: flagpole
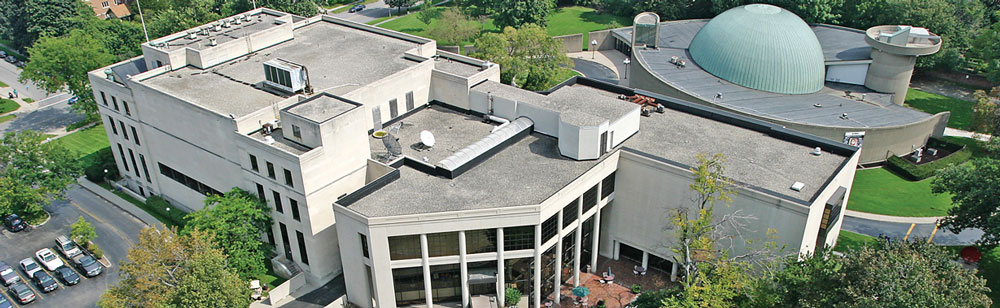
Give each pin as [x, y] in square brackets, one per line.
[143, 20]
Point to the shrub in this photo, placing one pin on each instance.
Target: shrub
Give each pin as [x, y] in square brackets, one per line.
[160, 206]
[98, 253]
[511, 297]
[636, 288]
[96, 163]
[654, 299]
[914, 172]
[82, 231]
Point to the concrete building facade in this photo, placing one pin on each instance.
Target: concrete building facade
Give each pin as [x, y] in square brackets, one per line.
[425, 181]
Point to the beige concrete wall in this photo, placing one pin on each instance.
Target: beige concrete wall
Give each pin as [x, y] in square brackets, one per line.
[572, 42]
[450, 48]
[879, 142]
[416, 78]
[605, 40]
[890, 73]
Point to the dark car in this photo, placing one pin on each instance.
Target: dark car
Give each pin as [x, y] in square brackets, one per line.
[14, 223]
[45, 282]
[4, 303]
[357, 8]
[87, 265]
[8, 274]
[22, 293]
[68, 276]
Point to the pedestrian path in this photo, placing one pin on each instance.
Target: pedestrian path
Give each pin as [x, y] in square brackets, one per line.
[894, 219]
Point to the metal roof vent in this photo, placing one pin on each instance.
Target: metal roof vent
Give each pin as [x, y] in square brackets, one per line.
[797, 186]
[217, 27]
[212, 42]
[236, 21]
[225, 23]
[269, 140]
[192, 35]
[109, 74]
[817, 151]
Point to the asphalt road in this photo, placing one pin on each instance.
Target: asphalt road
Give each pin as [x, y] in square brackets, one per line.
[9, 74]
[116, 233]
[55, 115]
[371, 12]
[920, 231]
[595, 70]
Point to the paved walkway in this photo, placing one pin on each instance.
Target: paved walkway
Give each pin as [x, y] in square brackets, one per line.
[943, 88]
[948, 131]
[611, 59]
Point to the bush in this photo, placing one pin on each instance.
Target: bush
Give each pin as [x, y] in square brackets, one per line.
[96, 163]
[160, 206]
[82, 231]
[511, 297]
[636, 288]
[914, 172]
[653, 299]
[98, 253]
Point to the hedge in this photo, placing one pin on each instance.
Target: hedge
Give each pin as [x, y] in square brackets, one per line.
[914, 172]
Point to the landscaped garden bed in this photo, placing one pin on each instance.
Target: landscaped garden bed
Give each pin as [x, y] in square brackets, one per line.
[938, 154]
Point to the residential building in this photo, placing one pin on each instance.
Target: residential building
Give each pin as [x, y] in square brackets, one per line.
[105, 9]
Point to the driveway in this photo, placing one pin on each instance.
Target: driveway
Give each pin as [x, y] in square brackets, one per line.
[116, 231]
[595, 70]
[371, 12]
[897, 230]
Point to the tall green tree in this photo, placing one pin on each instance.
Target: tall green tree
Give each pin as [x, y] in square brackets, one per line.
[178, 15]
[517, 13]
[237, 221]
[59, 63]
[986, 47]
[120, 38]
[398, 4]
[165, 269]
[453, 27]
[812, 11]
[975, 193]
[24, 22]
[527, 55]
[46, 167]
[986, 112]
[82, 231]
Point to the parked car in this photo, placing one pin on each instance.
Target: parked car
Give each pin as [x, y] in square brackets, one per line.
[29, 267]
[72, 100]
[4, 303]
[67, 247]
[68, 276]
[19, 64]
[49, 259]
[3, 53]
[88, 265]
[45, 282]
[8, 274]
[14, 223]
[357, 8]
[22, 293]
[11, 59]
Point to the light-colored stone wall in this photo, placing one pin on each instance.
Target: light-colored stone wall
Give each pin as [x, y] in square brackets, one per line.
[572, 42]
[604, 38]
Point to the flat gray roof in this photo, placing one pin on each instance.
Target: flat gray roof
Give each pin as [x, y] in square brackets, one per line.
[452, 131]
[525, 173]
[258, 22]
[583, 104]
[456, 67]
[320, 108]
[280, 142]
[361, 58]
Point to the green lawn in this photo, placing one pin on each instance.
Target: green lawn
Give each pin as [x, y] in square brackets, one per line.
[28, 100]
[882, 192]
[989, 268]
[849, 240]
[7, 105]
[563, 21]
[961, 111]
[7, 118]
[3, 85]
[86, 141]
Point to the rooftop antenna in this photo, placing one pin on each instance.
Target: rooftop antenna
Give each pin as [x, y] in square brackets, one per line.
[392, 146]
[139, 4]
[427, 138]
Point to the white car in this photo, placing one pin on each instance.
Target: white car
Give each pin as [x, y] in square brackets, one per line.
[48, 259]
[30, 267]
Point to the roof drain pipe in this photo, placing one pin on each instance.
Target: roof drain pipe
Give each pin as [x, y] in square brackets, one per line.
[503, 122]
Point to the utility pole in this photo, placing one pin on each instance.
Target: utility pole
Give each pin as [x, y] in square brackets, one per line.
[139, 5]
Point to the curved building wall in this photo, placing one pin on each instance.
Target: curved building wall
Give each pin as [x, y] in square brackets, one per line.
[879, 142]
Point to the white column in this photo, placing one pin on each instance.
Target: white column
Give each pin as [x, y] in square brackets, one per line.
[501, 274]
[596, 239]
[427, 270]
[577, 240]
[464, 268]
[537, 281]
[673, 271]
[645, 259]
[558, 263]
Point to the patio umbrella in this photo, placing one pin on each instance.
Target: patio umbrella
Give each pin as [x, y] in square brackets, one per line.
[971, 254]
[581, 291]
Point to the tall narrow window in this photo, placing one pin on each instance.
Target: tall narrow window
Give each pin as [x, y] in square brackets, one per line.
[115, 101]
[260, 193]
[288, 178]
[135, 136]
[124, 133]
[393, 108]
[295, 208]
[127, 111]
[114, 129]
[270, 170]
[253, 163]
[145, 170]
[134, 165]
[409, 101]
[284, 241]
[296, 131]
[104, 98]
[608, 185]
[270, 236]
[277, 202]
[122, 152]
[364, 245]
[302, 247]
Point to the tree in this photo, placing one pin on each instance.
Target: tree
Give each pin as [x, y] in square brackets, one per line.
[511, 297]
[307, 8]
[427, 12]
[454, 27]
[400, 3]
[986, 112]
[165, 269]
[236, 221]
[21, 199]
[45, 167]
[987, 49]
[120, 38]
[25, 22]
[812, 11]
[63, 62]
[81, 231]
[517, 13]
[527, 55]
[896, 274]
[178, 15]
[975, 193]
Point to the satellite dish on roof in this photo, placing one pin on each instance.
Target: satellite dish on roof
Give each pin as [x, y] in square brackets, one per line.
[392, 145]
[427, 138]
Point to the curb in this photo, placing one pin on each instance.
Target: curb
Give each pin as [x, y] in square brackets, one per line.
[896, 219]
[44, 222]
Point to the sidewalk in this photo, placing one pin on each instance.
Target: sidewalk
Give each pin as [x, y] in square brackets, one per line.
[895, 219]
[611, 58]
[948, 131]
[122, 204]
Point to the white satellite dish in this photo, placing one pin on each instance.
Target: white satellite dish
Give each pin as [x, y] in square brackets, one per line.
[427, 138]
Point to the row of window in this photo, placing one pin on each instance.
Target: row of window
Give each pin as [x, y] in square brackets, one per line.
[303, 256]
[135, 167]
[187, 181]
[114, 100]
[114, 130]
[270, 171]
[292, 203]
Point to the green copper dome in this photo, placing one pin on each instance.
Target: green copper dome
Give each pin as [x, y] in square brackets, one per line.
[762, 47]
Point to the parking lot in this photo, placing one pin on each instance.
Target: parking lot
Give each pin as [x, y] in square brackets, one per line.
[117, 231]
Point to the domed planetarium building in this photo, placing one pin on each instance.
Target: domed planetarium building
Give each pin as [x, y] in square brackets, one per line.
[765, 62]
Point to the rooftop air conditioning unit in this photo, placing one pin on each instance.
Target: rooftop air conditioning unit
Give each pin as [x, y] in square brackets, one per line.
[236, 21]
[285, 75]
[192, 35]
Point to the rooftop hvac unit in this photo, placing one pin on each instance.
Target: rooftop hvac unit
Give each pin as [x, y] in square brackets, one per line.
[286, 76]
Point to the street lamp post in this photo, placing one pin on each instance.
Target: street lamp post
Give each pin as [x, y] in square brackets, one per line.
[627, 62]
[593, 49]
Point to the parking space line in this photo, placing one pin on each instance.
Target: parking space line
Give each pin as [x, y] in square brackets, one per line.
[30, 283]
[120, 234]
[69, 265]
[10, 300]
[909, 231]
[932, 233]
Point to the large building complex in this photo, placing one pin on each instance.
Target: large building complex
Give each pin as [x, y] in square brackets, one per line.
[423, 180]
[764, 62]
